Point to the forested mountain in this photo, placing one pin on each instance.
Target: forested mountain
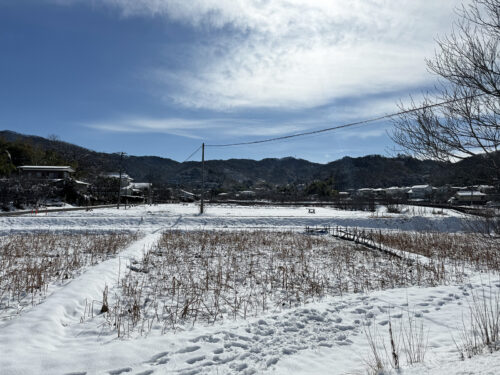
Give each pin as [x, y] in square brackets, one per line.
[367, 171]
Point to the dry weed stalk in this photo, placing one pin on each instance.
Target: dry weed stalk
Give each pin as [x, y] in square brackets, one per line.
[456, 251]
[482, 330]
[213, 275]
[30, 263]
[408, 337]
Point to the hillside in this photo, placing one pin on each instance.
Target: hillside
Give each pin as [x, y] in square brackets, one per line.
[367, 171]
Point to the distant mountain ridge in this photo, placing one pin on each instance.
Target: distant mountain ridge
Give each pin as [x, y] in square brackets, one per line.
[348, 173]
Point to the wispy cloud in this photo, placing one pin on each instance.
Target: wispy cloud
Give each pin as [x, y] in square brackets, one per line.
[227, 128]
[197, 129]
[294, 54]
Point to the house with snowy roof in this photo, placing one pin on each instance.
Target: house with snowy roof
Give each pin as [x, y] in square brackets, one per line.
[470, 197]
[420, 192]
[47, 172]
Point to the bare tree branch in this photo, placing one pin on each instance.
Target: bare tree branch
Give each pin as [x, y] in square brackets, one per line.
[467, 66]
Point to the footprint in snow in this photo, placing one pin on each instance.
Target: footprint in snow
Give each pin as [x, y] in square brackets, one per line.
[239, 367]
[205, 338]
[157, 357]
[120, 371]
[189, 349]
[190, 372]
[272, 361]
[195, 359]
[359, 311]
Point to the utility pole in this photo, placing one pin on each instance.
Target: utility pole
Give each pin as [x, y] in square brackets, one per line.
[202, 177]
[120, 182]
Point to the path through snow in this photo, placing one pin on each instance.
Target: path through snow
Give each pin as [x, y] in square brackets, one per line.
[321, 337]
[46, 325]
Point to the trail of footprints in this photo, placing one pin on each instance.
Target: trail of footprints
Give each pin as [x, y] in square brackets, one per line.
[266, 341]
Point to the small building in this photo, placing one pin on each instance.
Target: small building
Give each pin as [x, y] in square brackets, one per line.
[126, 180]
[442, 194]
[247, 193]
[47, 172]
[470, 197]
[396, 192]
[140, 189]
[379, 193]
[420, 192]
[143, 187]
[365, 193]
[187, 196]
[486, 189]
[344, 195]
[81, 186]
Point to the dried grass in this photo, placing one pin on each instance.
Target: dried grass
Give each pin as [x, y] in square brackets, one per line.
[213, 275]
[29, 263]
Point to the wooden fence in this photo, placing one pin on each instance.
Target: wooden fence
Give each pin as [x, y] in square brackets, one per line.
[363, 237]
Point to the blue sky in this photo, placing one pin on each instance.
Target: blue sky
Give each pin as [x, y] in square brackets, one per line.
[158, 77]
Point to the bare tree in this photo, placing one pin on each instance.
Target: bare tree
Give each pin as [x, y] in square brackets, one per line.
[467, 65]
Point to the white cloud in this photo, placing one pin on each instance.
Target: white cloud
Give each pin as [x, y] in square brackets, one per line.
[295, 54]
[226, 129]
[199, 129]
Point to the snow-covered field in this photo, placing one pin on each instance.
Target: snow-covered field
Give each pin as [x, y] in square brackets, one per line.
[186, 216]
[322, 332]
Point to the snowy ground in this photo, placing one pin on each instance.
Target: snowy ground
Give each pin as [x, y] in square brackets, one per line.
[326, 336]
[186, 216]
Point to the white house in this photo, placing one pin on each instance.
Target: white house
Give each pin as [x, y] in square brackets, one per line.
[470, 196]
[126, 179]
[247, 193]
[420, 192]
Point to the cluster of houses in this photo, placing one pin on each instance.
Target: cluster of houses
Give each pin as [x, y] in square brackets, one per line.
[459, 195]
[62, 174]
[142, 191]
[478, 194]
[129, 188]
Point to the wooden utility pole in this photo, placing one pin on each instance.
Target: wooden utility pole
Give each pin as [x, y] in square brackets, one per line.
[120, 182]
[202, 178]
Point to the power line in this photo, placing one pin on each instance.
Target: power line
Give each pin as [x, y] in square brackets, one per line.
[190, 156]
[363, 122]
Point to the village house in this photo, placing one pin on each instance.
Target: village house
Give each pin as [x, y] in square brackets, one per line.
[130, 189]
[396, 192]
[143, 189]
[420, 192]
[469, 197]
[379, 193]
[344, 195]
[365, 193]
[486, 189]
[247, 194]
[126, 180]
[47, 172]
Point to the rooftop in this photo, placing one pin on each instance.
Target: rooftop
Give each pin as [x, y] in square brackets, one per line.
[64, 168]
[117, 175]
[141, 185]
[469, 193]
